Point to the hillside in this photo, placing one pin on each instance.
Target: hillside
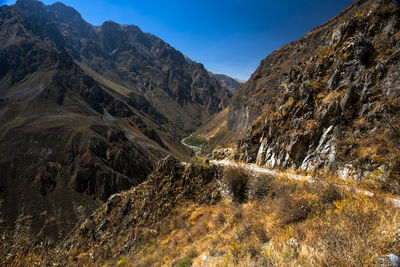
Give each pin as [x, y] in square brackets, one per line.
[62, 133]
[228, 83]
[87, 111]
[301, 168]
[199, 214]
[149, 73]
[328, 102]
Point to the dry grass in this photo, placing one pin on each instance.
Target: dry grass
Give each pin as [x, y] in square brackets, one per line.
[333, 95]
[19, 248]
[282, 223]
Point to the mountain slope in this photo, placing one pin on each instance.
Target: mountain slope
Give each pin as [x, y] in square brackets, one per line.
[228, 83]
[328, 101]
[182, 95]
[79, 121]
[58, 137]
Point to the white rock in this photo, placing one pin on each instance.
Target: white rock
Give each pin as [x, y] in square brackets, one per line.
[389, 260]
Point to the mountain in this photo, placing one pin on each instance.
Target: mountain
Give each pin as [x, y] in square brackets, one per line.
[328, 101]
[228, 83]
[181, 94]
[324, 105]
[87, 111]
[321, 108]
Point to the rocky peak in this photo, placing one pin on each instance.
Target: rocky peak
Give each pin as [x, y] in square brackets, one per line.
[34, 5]
[64, 13]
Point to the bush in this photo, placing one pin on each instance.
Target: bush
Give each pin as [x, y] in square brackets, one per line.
[185, 262]
[293, 210]
[220, 219]
[188, 259]
[237, 182]
[330, 194]
[262, 187]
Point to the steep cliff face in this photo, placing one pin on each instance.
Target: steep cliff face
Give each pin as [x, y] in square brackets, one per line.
[182, 95]
[329, 100]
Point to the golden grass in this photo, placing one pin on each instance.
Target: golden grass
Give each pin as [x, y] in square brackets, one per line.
[296, 224]
[283, 223]
[327, 98]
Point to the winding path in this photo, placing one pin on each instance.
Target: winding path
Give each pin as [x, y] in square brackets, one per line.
[255, 169]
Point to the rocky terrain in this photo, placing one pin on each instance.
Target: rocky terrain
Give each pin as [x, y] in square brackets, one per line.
[328, 101]
[202, 215]
[87, 111]
[134, 217]
[149, 73]
[304, 167]
[228, 83]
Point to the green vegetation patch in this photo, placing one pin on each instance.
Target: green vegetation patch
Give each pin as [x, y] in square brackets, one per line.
[195, 141]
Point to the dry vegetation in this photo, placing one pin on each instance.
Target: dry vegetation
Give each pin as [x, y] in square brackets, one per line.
[20, 248]
[284, 223]
[270, 221]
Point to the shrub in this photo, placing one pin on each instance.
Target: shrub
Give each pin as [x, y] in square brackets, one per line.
[293, 210]
[185, 262]
[220, 219]
[188, 259]
[262, 187]
[260, 233]
[236, 180]
[330, 194]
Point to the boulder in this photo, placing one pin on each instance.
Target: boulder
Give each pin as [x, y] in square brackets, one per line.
[349, 99]
[390, 260]
[363, 49]
[334, 80]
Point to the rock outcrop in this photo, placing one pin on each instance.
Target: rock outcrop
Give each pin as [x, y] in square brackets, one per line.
[129, 219]
[328, 101]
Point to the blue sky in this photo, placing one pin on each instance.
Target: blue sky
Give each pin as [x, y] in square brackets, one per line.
[227, 36]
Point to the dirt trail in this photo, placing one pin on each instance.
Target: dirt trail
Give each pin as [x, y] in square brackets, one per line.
[255, 169]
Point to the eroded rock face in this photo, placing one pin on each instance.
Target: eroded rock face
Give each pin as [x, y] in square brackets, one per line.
[324, 106]
[239, 118]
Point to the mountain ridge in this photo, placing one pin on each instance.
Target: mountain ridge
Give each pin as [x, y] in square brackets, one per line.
[73, 134]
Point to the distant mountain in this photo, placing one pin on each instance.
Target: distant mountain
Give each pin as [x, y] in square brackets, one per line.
[229, 83]
[87, 111]
[181, 94]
